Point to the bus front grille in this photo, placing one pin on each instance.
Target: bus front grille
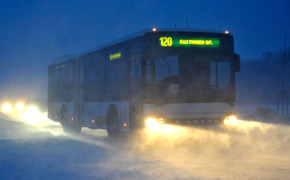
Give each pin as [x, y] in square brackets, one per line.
[195, 121]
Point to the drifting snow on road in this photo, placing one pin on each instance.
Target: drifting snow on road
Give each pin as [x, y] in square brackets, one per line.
[249, 150]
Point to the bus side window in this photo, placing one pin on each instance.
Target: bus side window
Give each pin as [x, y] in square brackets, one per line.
[135, 66]
[94, 76]
[149, 71]
[117, 74]
[136, 61]
[213, 75]
[224, 74]
[62, 81]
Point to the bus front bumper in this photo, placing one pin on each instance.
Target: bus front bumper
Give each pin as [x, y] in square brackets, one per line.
[155, 121]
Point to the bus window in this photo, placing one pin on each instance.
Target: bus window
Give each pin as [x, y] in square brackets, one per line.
[220, 73]
[135, 79]
[224, 74]
[94, 75]
[213, 75]
[166, 67]
[136, 61]
[117, 74]
[149, 71]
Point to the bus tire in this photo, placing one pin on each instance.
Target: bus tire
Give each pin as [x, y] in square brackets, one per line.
[69, 127]
[113, 126]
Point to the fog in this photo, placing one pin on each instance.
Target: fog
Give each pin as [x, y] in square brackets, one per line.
[260, 79]
[248, 150]
[245, 150]
[34, 147]
[258, 147]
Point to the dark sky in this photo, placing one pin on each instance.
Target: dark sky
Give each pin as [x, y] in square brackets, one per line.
[34, 32]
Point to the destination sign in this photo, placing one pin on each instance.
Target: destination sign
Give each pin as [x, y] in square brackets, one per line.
[169, 41]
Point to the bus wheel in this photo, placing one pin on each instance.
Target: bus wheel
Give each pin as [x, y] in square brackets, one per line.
[113, 127]
[69, 127]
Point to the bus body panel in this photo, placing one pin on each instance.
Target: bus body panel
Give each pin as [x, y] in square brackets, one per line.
[55, 113]
[118, 74]
[96, 114]
[190, 112]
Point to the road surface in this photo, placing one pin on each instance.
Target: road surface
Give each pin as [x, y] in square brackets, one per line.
[252, 150]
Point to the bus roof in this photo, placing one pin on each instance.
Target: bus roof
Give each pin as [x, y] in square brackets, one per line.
[67, 57]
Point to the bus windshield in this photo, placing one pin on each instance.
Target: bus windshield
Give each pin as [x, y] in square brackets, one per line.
[189, 77]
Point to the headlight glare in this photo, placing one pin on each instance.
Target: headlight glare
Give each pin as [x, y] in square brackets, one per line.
[231, 120]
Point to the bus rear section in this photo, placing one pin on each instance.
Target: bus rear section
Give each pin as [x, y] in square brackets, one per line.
[65, 94]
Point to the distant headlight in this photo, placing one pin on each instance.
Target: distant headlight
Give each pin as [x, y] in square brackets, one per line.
[7, 108]
[20, 106]
[231, 120]
[32, 115]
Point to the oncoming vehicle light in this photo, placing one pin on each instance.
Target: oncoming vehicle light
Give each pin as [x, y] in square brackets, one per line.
[231, 120]
[7, 108]
[20, 106]
[31, 115]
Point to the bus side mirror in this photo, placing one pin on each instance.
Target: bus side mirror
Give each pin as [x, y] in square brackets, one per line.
[237, 63]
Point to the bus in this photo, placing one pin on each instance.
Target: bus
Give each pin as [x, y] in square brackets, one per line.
[179, 77]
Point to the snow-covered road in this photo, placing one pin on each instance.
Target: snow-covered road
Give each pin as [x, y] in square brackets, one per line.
[253, 150]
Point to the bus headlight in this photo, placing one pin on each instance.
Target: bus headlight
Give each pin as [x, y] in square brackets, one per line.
[154, 123]
[231, 120]
[159, 126]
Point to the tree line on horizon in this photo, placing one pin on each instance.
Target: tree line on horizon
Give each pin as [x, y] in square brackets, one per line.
[260, 79]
